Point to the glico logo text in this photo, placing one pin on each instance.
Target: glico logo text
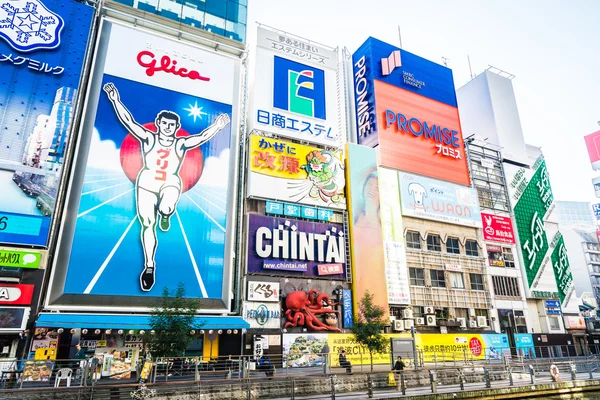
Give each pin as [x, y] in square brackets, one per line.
[147, 60]
[417, 128]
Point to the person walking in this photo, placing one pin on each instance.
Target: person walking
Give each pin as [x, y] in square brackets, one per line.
[398, 368]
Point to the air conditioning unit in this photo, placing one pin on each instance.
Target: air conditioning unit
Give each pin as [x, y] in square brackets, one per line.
[407, 313]
[409, 324]
[520, 321]
[398, 325]
[430, 320]
[482, 321]
[420, 321]
[429, 310]
[471, 312]
[462, 321]
[472, 323]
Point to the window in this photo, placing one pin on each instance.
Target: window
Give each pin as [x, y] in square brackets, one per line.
[471, 248]
[554, 323]
[509, 258]
[452, 246]
[417, 276]
[506, 286]
[434, 243]
[456, 280]
[413, 240]
[418, 311]
[476, 281]
[437, 278]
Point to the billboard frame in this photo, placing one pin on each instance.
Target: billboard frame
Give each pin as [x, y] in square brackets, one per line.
[55, 297]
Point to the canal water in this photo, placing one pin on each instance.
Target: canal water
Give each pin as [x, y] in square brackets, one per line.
[578, 396]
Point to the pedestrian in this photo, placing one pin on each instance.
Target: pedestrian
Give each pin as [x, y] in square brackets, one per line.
[345, 363]
[398, 368]
[80, 356]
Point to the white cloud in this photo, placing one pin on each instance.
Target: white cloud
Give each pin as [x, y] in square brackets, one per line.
[103, 154]
[216, 170]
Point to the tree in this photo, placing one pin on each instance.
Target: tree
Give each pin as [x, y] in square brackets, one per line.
[368, 329]
[172, 319]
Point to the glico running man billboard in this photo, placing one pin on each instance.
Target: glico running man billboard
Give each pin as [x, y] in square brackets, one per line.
[406, 106]
[295, 89]
[42, 50]
[152, 177]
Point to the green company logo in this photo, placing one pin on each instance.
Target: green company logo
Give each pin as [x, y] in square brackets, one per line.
[529, 214]
[562, 270]
[19, 259]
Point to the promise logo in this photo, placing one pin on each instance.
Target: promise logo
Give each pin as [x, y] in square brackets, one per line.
[390, 63]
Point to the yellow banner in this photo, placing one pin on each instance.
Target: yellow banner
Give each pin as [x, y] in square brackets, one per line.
[357, 354]
[451, 346]
[283, 159]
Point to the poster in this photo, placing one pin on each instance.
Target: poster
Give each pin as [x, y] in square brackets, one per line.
[304, 350]
[37, 370]
[296, 173]
[295, 89]
[40, 71]
[154, 171]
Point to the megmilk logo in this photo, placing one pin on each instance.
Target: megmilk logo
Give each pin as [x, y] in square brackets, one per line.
[299, 88]
[29, 25]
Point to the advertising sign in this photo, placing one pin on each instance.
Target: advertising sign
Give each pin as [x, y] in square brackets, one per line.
[596, 183]
[295, 89]
[592, 142]
[497, 228]
[263, 291]
[474, 345]
[495, 256]
[439, 201]
[20, 259]
[296, 173]
[596, 208]
[561, 268]
[37, 370]
[42, 50]
[281, 246]
[13, 319]
[406, 106]
[20, 294]
[262, 315]
[347, 305]
[366, 237]
[153, 172]
[393, 234]
[576, 322]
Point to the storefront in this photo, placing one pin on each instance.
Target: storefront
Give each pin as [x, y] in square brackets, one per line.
[117, 341]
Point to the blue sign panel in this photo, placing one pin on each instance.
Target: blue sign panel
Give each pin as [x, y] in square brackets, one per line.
[274, 208]
[554, 311]
[347, 303]
[596, 208]
[292, 210]
[552, 303]
[524, 344]
[324, 214]
[42, 50]
[381, 61]
[309, 212]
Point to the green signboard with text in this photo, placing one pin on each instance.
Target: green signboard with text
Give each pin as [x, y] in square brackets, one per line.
[562, 272]
[19, 259]
[530, 211]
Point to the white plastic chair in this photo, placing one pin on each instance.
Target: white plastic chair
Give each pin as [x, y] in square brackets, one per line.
[63, 373]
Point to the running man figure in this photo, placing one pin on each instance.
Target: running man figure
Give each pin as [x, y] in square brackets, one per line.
[158, 185]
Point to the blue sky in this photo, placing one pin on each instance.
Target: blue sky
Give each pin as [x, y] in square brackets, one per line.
[551, 47]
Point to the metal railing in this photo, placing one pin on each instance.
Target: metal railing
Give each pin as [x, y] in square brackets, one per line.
[359, 385]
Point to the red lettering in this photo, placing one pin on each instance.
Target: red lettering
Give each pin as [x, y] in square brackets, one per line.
[147, 60]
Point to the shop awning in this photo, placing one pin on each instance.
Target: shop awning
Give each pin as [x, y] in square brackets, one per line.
[586, 307]
[113, 321]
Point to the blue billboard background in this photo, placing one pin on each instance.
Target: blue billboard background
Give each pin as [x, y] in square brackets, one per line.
[412, 73]
[192, 250]
[37, 84]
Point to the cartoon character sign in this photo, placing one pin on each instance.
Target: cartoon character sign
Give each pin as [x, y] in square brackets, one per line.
[326, 173]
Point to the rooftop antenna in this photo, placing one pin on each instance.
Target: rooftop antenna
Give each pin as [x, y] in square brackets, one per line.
[399, 36]
[470, 70]
[445, 61]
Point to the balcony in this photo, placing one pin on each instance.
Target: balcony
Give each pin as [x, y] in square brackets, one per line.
[437, 259]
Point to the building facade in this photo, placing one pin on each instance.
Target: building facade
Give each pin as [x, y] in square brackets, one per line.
[573, 213]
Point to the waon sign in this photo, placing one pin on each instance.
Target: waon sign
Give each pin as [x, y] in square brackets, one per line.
[497, 228]
[16, 294]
